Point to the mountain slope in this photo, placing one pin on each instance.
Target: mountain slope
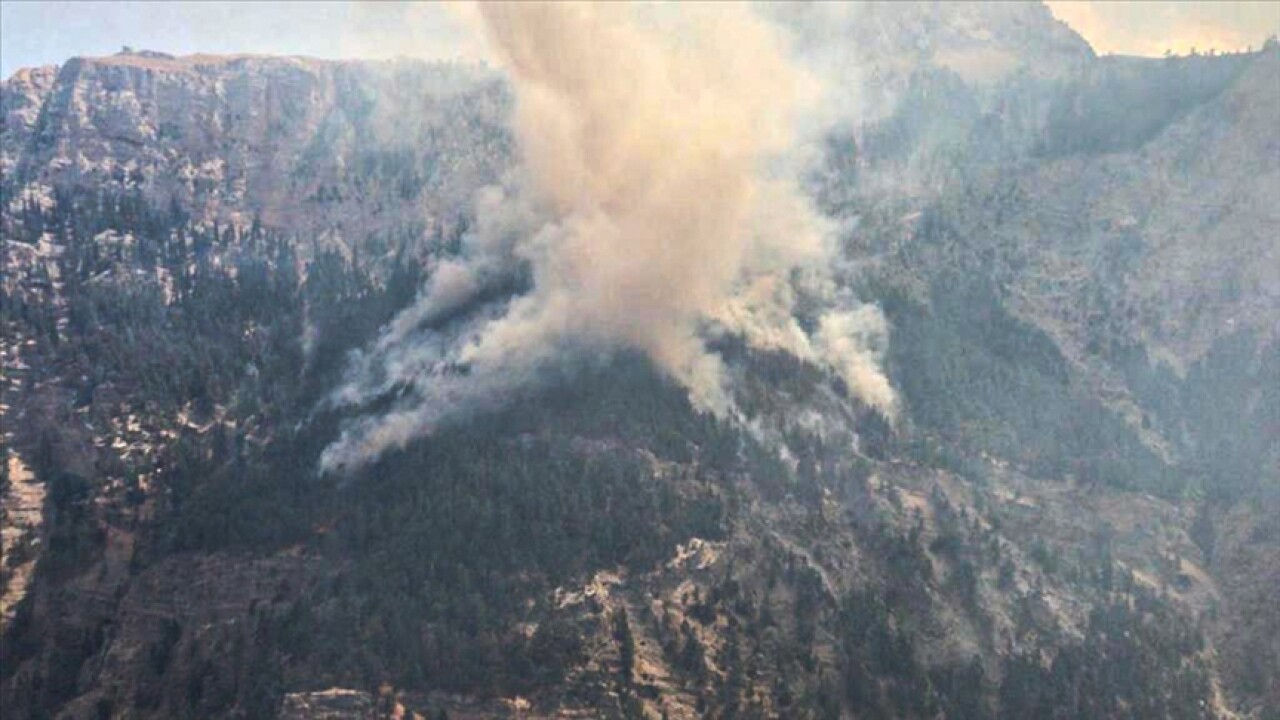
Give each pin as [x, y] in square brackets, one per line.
[352, 149]
[1059, 526]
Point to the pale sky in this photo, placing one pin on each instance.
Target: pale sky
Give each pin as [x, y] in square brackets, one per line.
[44, 33]
[1151, 28]
[47, 33]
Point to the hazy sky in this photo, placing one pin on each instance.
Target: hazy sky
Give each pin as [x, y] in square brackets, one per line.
[43, 33]
[1151, 28]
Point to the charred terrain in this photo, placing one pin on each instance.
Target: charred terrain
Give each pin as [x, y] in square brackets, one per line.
[1075, 512]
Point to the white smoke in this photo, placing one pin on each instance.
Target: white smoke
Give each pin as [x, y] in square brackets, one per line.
[657, 200]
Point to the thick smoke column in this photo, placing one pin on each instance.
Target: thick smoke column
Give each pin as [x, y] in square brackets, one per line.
[656, 202]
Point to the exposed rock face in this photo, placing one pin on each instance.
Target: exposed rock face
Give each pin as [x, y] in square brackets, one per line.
[22, 511]
[22, 97]
[331, 704]
[348, 147]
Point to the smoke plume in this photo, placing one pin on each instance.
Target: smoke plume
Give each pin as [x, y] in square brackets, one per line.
[656, 203]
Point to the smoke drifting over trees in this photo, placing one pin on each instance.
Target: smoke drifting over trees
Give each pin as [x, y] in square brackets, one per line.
[657, 204]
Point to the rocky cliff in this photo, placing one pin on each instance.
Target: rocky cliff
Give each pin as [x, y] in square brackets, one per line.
[346, 148]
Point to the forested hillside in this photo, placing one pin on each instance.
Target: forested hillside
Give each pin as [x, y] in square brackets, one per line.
[1075, 514]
